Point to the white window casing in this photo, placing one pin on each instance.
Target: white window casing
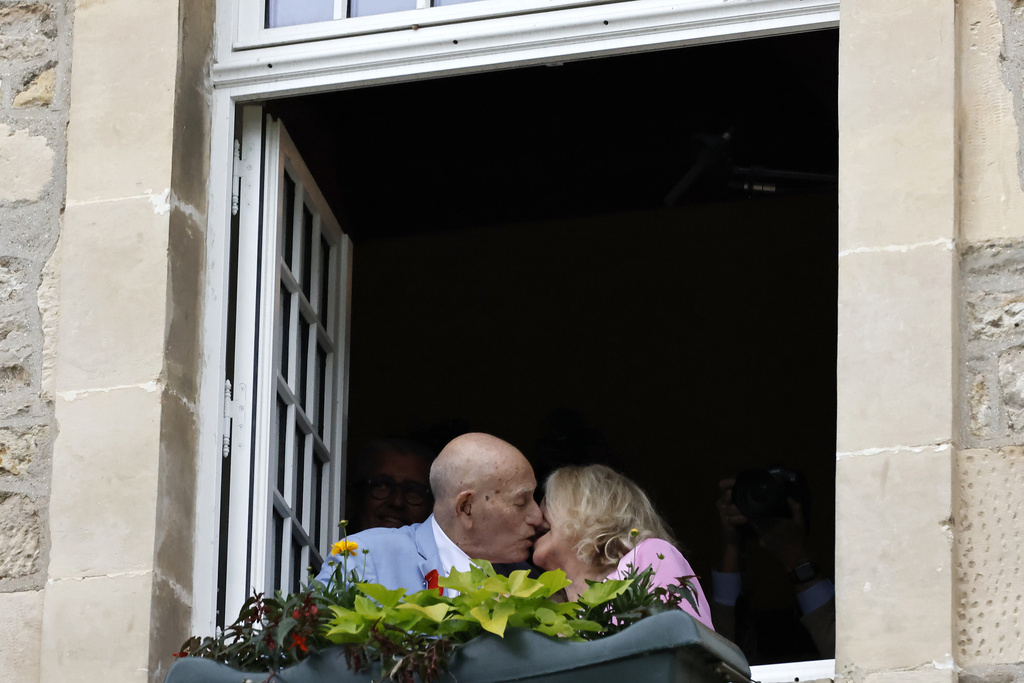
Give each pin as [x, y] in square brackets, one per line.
[252, 64]
[416, 50]
[794, 672]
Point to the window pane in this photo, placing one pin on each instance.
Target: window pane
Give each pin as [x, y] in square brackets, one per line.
[363, 8]
[286, 332]
[298, 566]
[289, 219]
[325, 280]
[441, 3]
[282, 439]
[307, 252]
[303, 373]
[292, 12]
[316, 496]
[300, 473]
[321, 371]
[277, 547]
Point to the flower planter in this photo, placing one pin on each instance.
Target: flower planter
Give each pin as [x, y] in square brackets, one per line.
[667, 648]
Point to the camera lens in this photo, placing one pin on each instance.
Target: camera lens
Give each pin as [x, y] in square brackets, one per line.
[759, 495]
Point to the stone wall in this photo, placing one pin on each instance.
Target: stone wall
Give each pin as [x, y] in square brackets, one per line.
[989, 475]
[989, 470]
[34, 73]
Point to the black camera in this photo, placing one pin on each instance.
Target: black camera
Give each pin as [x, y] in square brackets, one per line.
[763, 494]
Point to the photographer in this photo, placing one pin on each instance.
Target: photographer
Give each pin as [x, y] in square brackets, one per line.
[769, 506]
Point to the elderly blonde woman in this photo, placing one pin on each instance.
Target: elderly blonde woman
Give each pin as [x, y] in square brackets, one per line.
[592, 512]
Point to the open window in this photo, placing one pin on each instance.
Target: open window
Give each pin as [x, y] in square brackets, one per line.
[662, 229]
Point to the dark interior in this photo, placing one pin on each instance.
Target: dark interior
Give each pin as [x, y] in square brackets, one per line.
[518, 270]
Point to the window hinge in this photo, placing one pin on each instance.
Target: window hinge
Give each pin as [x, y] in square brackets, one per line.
[234, 415]
[236, 177]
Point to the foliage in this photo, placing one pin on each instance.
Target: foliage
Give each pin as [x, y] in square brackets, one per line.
[414, 635]
[640, 599]
[274, 632]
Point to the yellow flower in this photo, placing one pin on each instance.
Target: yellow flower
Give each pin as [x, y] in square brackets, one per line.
[342, 547]
[634, 532]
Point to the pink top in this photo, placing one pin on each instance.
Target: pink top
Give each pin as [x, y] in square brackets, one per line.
[666, 571]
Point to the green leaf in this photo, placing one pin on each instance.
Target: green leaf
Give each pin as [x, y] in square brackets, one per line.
[386, 598]
[460, 581]
[554, 581]
[343, 632]
[427, 596]
[586, 625]
[598, 593]
[521, 585]
[434, 612]
[547, 616]
[286, 625]
[367, 608]
[557, 629]
[567, 609]
[494, 622]
[497, 584]
[486, 566]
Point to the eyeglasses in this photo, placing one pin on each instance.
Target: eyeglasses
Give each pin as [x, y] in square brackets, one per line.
[383, 487]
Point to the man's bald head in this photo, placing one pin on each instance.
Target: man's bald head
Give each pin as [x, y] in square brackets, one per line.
[467, 460]
[483, 497]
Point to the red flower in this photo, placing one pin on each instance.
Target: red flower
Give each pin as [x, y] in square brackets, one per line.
[431, 578]
[183, 653]
[299, 642]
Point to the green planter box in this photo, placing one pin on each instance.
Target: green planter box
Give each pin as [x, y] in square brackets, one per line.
[667, 648]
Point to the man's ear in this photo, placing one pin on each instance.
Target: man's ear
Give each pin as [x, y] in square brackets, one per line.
[464, 509]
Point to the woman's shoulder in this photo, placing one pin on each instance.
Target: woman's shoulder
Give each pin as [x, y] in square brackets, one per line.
[648, 552]
[655, 545]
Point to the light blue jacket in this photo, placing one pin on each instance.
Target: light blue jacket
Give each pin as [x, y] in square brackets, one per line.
[398, 558]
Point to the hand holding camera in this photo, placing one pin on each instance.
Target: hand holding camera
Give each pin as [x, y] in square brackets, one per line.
[770, 506]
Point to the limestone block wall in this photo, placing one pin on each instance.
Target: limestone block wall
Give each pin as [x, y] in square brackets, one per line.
[989, 468]
[35, 63]
[897, 355]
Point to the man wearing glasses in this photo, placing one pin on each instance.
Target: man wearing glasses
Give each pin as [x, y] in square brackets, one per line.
[391, 485]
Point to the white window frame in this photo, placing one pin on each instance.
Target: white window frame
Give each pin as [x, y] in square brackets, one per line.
[490, 42]
[253, 64]
[268, 154]
[794, 672]
[250, 19]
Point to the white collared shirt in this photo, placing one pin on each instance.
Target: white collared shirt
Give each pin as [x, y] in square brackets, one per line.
[450, 554]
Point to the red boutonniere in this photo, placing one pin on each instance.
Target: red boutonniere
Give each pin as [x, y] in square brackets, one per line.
[431, 578]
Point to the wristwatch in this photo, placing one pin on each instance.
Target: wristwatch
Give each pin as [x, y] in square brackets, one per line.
[803, 572]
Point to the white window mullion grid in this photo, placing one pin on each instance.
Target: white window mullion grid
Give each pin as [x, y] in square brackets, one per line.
[248, 418]
[284, 463]
[303, 461]
[313, 490]
[268, 336]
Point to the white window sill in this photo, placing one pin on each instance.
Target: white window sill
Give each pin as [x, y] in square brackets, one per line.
[794, 671]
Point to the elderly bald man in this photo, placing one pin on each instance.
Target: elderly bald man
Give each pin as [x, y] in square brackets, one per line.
[483, 509]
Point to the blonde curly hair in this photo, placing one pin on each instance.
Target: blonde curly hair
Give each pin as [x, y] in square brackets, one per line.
[599, 509]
